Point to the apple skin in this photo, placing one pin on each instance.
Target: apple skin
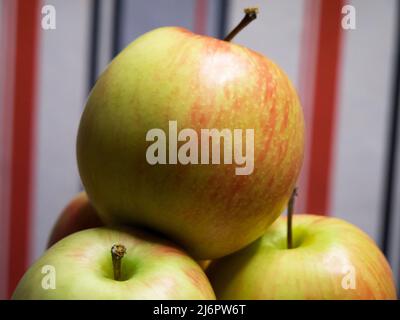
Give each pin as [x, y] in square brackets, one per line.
[314, 269]
[151, 269]
[200, 82]
[78, 215]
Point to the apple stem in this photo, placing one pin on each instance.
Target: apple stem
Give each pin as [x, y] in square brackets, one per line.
[250, 15]
[290, 219]
[117, 253]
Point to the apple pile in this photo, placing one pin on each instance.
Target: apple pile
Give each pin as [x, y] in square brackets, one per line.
[146, 229]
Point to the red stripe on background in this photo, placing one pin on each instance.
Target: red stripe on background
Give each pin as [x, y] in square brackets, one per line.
[22, 139]
[7, 29]
[200, 17]
[324, 105]
[308, 56]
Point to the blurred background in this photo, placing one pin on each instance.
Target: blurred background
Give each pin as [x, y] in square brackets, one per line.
[347, 79]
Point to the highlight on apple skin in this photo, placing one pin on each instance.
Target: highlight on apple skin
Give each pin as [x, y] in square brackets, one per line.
[79, 214]
[331, 259]
[151, 269]
[199, 82]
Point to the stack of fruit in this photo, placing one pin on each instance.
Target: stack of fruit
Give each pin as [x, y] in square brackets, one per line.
[162, 201]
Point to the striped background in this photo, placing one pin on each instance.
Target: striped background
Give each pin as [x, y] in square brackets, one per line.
[348, 81]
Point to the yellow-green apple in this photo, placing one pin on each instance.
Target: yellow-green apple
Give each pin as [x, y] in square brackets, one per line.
[103, 263]
[329, 259]
[78, 215]
[198, 138]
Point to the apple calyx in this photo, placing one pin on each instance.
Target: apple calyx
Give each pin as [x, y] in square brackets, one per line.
[117, 253]
[290, 218]
[250, 15]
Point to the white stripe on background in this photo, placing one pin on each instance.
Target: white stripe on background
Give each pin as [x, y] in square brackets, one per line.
[142, 16]
[105, 34]
[212, 18]
[363, 116]
[7, 61]
[62, 89]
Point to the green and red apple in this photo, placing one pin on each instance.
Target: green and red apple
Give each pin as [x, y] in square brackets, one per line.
[83, 268]
[330, 259]
[79, 214]
[180, 83]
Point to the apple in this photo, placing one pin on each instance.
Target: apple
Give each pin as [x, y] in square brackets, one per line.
[78, 215]
[329, 259]
[140, 266]
[138, 144]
